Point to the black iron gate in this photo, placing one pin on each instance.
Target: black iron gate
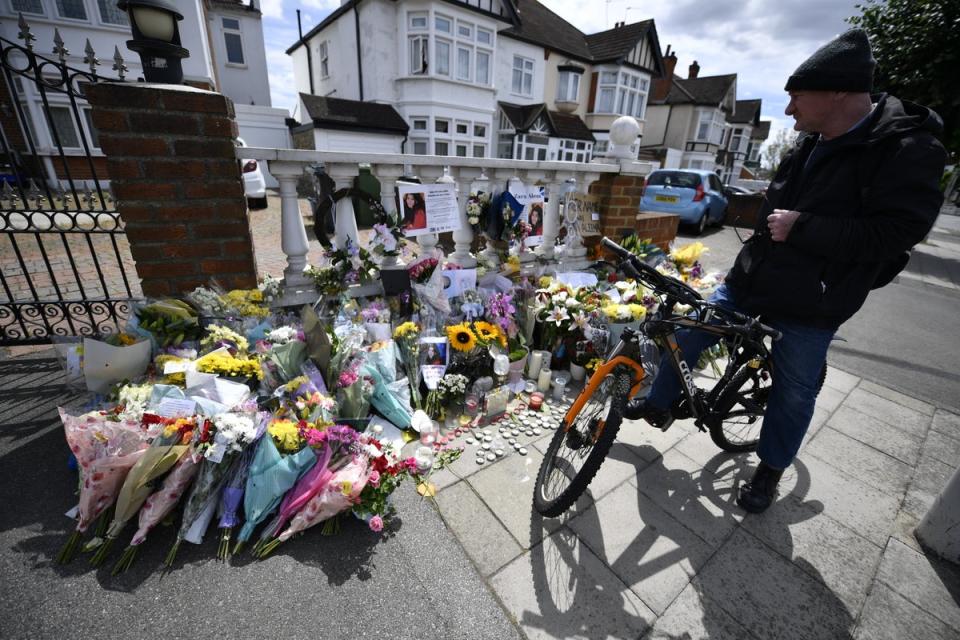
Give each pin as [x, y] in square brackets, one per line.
[65, 266]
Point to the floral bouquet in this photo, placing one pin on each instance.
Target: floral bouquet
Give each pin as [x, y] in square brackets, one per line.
[451, 388]
[407, 338]
[105, 450]
[387, 472]
[218, 441]
[687, 260]
[426, 280]
[217, 336]
[387, 239]
[280, 459]
[472, 343]
[354, 390]
[224, 364]
[478, 206]
[348, 265]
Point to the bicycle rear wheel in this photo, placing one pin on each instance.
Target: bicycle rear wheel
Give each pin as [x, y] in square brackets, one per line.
[575, 454]
[740, 407]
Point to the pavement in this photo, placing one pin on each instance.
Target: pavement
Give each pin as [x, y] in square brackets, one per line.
[657, 548]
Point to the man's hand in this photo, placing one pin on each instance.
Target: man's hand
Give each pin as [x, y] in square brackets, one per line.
[780, 222]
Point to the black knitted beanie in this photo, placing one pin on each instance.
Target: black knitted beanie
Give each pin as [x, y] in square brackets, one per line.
[843, 64]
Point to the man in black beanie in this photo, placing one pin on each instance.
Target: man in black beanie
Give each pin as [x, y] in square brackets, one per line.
[859, 189]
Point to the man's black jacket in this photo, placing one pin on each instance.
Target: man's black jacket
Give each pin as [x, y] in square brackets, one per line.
[865, 198]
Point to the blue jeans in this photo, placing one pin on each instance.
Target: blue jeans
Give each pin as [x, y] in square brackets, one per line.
[798, 358]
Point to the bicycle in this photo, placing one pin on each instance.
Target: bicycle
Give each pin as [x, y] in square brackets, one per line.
[731, 411]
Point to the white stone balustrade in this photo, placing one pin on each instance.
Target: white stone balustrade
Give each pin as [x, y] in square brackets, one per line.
[468, 174]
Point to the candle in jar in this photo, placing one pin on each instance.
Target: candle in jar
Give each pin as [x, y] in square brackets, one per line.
[536, 401]
[543, 380]
[536, 361]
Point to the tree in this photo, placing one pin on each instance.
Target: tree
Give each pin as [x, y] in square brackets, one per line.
[782, 142]
[917, 47]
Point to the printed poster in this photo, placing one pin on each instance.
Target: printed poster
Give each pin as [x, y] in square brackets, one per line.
[428, 208]
[532, 201]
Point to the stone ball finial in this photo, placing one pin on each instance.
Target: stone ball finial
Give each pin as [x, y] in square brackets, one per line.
[623, 133]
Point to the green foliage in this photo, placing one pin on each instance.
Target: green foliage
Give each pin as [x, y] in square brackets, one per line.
[917, 47]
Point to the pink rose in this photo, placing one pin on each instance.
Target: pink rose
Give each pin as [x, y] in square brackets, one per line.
[374, 478]
[376, 524]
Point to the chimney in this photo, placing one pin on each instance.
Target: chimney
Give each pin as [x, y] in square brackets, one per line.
[661, 86]
[694, 70]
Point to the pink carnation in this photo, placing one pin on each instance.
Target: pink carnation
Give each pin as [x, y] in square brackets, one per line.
[376, 523]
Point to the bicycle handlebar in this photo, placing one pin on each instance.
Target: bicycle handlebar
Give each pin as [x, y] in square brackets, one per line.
[682, 291]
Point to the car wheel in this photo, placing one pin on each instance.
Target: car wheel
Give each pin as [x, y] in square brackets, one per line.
[702, 224]
[255, 204]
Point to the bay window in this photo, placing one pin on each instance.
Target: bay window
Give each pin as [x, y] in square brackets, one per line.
[568, 86]
[459, 50]
[622, 93]
[711, 126]
[442, 57]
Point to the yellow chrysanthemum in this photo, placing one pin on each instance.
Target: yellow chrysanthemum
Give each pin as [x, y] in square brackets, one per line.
[638, 311]
[285, 435]
[461, 337]
[405, 329]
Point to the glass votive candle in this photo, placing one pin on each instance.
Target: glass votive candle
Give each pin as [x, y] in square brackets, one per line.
[560, 380]
[429, 433]
[536, 401]
[543, 380]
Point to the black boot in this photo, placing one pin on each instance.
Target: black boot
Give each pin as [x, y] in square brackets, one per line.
[758, 494]
[638, 408]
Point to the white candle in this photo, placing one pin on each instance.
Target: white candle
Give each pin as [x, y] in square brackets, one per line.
[543, 381]
[536, 361]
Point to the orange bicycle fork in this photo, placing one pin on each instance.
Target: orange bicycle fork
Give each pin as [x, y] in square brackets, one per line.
[595, 380]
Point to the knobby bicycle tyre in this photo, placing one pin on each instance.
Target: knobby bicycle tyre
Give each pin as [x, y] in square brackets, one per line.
[609, 399]
[745, 437]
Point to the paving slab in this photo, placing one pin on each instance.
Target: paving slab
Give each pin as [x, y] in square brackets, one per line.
[684, 489]
[829, 398]
[618, 467]
[771, 596]
[930, 584]
[929, 479]
[846, 499]
[507, 490]
[943, 447]
[889, 616]
[820, 417]
[946, 422]
[700, 447]
[870, 465]
[649, 443]
[840, 380]
[484, 538]
[888, 411]
[695, 616]
[897, 397]
[560, 589]
[799, 531]
[903, 445]
[644, 545]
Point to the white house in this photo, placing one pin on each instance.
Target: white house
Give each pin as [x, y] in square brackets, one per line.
[224, 38]
[477, 78]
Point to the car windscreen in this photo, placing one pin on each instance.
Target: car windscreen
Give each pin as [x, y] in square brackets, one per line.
[674, 179]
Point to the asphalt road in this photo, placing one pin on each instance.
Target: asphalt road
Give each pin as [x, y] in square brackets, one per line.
[906, 336]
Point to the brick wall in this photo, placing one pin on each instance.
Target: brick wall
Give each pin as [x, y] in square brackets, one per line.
[619, 204]
[170, 156]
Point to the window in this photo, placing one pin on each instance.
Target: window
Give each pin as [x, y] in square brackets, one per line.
[522, 76]
[568, 87]
[484, 36]
[441, 148]
[233, 40]
[710, 127]
[575, 151]
[110, 14]
[483, 67]
[420, 147]
[479, 131]
[479, 151]
[324, 60]
[736, 139]
[418, 54]
[441, 126]
[463, 128]
[622, 93]
[462, 150]
[61, 122]
[443, 24]
[94, 134]
[463, 64]
[418, 21]
[465, 30]
[27, 6]
[505, 146]
[442, 58]
[72, 9]
[419, 124]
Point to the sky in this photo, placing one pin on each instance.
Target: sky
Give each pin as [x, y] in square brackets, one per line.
[762, 41]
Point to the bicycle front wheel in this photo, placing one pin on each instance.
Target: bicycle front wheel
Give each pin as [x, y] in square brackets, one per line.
[576, 452]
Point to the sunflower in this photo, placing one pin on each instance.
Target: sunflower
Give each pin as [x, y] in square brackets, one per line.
[485, 331]
[461, 337]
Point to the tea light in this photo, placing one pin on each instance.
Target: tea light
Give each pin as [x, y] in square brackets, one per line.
[543, 380]
[530, 387]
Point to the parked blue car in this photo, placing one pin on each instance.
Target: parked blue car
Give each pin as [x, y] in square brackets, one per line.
[693, 194]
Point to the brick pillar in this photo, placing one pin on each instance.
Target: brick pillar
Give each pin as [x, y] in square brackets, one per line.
[176, 179]
[619, 204]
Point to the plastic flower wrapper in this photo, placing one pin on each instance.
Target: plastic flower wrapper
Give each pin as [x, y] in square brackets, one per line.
[228, 511]
[430, 292]
[132, 401]
[354, 390]
[105, 450]
[272, 474]
[688, 254]
[407, 339]
[219, 441]
[165, 451]
[217, 336]
[383, 400]
[287, 358]
[387, 472]
[160, 503]
[341, 493]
